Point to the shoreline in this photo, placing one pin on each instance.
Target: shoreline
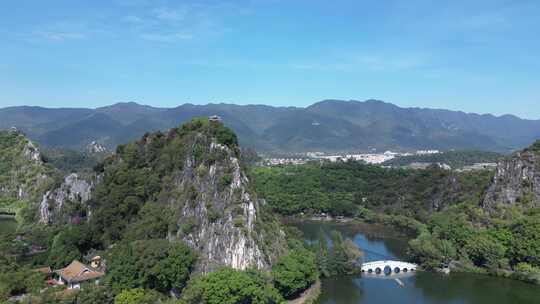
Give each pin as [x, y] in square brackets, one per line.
[500, 273]
[308, 296]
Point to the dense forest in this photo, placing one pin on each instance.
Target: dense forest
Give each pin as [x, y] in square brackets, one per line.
[347, 188]
[454, 159]
[140, 221]
[152, 198]
[441, 209]
[70, 160]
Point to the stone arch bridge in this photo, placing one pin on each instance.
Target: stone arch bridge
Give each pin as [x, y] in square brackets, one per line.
[388, 267]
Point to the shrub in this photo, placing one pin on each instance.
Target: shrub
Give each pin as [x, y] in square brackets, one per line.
[294, 272]
[526, 272]
[229, 286]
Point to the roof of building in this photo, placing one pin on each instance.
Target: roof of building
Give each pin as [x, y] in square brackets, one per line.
[78, 272]
[45, 270]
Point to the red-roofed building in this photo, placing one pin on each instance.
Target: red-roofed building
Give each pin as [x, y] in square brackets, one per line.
[76, 273]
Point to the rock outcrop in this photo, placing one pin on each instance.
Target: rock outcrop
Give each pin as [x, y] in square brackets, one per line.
[225, 215]
[95, 147]
[194, 174]
[74, 190]
[24, 176]
[516, 181]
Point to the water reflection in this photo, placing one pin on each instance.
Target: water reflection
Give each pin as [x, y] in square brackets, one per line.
[346, 290]
[473, 288]
[7, 225]
[421, 287]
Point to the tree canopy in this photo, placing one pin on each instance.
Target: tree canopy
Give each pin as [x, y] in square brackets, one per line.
[229, 286]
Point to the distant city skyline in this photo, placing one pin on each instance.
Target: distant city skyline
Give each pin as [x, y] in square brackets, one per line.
[472, 56]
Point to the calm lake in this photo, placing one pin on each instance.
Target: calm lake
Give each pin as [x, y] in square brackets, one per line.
[7, 225]
[380, 243]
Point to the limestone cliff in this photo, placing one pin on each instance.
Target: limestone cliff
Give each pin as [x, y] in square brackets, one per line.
[73, 193]
[24, 176]
[193, 176]
[95, 147]
[516, 181]
[226, 216]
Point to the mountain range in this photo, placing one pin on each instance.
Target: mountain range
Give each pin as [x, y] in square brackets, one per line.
[329, 125]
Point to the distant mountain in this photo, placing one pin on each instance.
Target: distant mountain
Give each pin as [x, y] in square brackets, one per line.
[330, 125]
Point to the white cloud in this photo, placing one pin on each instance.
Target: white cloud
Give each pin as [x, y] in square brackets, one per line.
[171, 15]
[166, 38]
[60, 36]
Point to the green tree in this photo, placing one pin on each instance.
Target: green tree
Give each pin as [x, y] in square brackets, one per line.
[150, 264]
[323, 255]
[295, 272]
[137, 296]
[152, 222]
[68, 245]
[229, 286]
[344, 256]
[528, 273]
[18, 280]
[452, 226]
[424, 250]
[484, 250]
[525, 243]
[92, 293]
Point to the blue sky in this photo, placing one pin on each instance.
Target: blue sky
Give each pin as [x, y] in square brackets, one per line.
[476, 56]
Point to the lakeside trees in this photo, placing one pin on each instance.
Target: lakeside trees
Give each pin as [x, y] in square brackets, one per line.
[229, 286]
[439, 207]
[498, 245]
[295, 272]
[346, 188]
[337, 256]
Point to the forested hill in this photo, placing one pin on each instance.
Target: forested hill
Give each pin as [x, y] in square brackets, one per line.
[330, 125]
[186, 184]
[351, 188]
[485, 221]
[455, 159]
[171, 215]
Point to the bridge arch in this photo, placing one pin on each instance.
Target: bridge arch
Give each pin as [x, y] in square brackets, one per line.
[388, 267]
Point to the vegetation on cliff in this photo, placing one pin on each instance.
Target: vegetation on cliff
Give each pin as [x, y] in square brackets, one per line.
[24, 176]
[169, 207]
[192, 179]
[444, 210]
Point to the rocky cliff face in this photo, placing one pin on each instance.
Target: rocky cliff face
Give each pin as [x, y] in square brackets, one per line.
[95, 147]
[225, 216]
[74, 191]
[194, 175]
[24, 176]
[516, 181]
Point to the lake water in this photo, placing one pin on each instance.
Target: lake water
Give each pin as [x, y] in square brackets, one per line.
[7, 225]
[379, 243]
